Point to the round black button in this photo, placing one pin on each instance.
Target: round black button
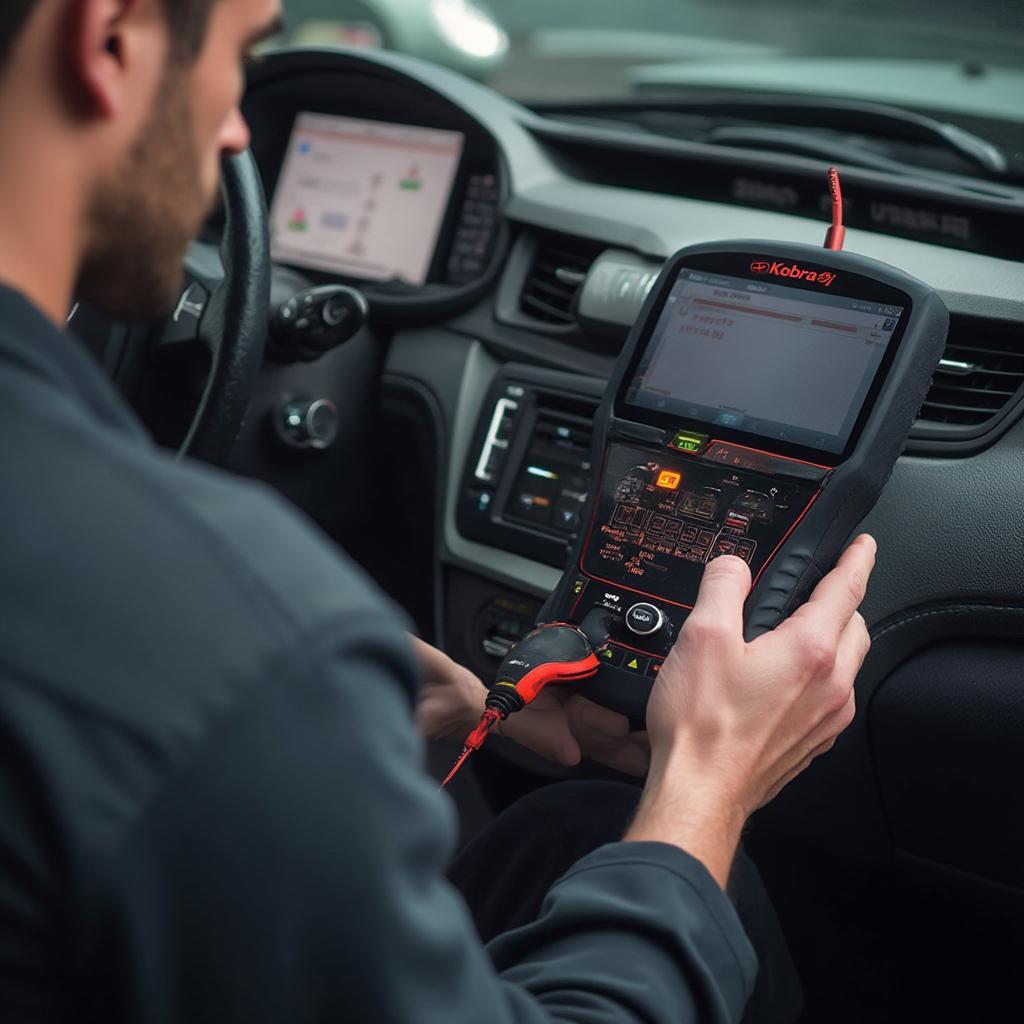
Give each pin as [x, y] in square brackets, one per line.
[644, 619]
[308, 423]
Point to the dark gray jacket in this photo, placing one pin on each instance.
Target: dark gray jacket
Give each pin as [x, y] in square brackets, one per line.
[212, 804]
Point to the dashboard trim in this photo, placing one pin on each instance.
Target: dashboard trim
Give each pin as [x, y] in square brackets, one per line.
[494, 563]
[677, 222]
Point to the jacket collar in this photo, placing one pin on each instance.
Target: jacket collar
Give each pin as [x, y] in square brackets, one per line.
[31, 343]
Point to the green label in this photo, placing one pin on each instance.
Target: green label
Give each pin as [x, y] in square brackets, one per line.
[688, 441]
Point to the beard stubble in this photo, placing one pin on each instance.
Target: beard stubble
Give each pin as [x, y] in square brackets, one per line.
[142, 219]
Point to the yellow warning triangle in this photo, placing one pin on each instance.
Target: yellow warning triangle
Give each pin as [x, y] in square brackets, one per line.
[632, 663]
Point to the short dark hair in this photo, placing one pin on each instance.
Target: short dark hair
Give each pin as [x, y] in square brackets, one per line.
[186, 19]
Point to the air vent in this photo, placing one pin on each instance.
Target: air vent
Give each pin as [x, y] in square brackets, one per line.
[557, 271]
[979, 377]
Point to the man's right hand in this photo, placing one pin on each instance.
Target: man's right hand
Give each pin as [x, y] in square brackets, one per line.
[730, 723]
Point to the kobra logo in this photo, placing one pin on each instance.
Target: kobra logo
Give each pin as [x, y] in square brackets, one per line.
[780, 269]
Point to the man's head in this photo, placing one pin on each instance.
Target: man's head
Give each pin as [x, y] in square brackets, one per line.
[141, 96]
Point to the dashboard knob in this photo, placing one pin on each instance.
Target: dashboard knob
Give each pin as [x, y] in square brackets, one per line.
[645, 619]
[307, 423]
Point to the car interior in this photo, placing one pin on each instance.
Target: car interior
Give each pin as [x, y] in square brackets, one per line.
[453, 276]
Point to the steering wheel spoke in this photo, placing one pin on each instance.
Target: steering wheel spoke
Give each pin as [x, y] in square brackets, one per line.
[184, 326]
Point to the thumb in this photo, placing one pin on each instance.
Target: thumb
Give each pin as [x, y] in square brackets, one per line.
[723, 589]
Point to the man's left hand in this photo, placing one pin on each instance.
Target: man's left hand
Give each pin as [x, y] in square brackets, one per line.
[558, 726]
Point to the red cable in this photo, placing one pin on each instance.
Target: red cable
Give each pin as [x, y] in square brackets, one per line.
[466, 751]
[836, 234]
[474, 741]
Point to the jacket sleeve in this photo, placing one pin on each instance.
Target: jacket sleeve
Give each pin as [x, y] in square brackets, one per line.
[291, 866]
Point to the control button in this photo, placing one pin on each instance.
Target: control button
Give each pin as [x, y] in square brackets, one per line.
[184, 323]
[611, 655]
[636, 664]
[307, 423]
[655, 667]
[644, 619]
[724, 545]
[745, 549]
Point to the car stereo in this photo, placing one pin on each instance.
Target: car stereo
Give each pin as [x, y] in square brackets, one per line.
[757, 409]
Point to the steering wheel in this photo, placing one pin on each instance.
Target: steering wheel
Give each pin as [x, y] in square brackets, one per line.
[226, 306]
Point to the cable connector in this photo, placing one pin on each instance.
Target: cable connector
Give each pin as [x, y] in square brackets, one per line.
[556, 652]
[836, 234]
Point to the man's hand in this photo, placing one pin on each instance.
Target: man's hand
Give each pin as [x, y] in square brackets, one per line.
[557, 726]
[731, 723]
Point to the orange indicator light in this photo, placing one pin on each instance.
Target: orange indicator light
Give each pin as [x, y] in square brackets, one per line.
[668, 480]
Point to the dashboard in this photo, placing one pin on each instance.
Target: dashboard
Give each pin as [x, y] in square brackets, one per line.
[532, 266]
[504, 255]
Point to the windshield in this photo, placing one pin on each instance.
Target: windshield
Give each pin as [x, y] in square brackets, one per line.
[967, 55]
[558, 49]
[593, 48]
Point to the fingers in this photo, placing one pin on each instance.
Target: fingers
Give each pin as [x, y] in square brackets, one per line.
[631, 756]
[839, 702]
[544, 730]
[723, 589]
[834, 697]
[437, 668]
[829, 728]
[603, 736]
[587, 719]
[839, 594]
[853, 648]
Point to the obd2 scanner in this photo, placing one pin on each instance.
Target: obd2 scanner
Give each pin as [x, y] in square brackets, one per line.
[757, 409]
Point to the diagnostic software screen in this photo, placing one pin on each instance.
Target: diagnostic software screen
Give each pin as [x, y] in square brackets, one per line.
[763, 358]
[363, 198]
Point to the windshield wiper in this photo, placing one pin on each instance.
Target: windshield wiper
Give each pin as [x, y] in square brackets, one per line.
[702, 120]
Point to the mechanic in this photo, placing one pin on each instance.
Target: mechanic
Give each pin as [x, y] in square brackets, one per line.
[213, 803]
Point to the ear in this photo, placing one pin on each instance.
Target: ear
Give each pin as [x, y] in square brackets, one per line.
[99, 44]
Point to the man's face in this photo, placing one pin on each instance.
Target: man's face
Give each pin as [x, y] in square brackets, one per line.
[144, 214]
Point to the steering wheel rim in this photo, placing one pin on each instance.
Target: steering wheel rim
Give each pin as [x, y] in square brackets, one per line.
[235, 321]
